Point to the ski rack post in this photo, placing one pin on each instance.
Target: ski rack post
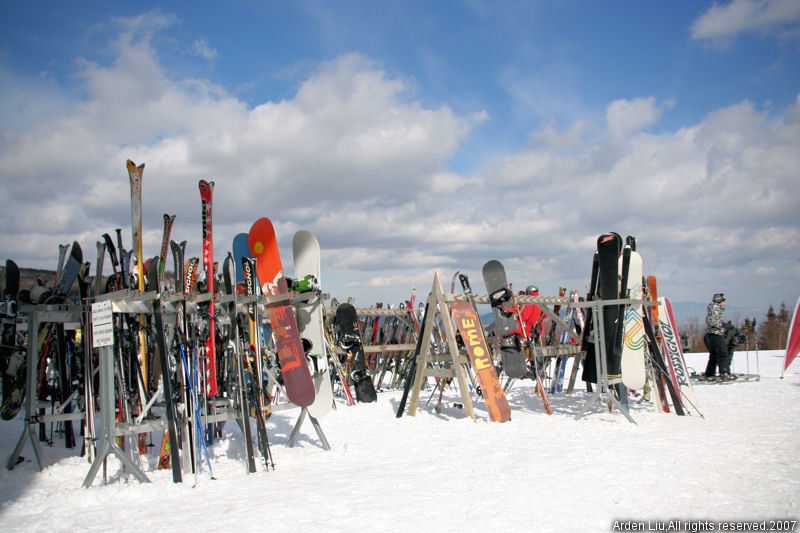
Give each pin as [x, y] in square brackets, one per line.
[124, 301]
[604, 383]
[37, 315]
[438, 304]
[108, 420]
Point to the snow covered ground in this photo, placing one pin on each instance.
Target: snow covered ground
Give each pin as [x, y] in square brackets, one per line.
[444, 472]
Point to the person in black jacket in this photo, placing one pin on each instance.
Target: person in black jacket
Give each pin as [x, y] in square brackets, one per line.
[718, 354]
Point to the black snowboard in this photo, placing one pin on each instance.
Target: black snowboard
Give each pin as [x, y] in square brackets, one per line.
[589, 374]
[511, 352]
[609, 247]
[12, 358]
[349, 339]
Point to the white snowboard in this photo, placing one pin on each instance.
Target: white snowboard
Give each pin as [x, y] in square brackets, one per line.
[310, 321]
[633, 367]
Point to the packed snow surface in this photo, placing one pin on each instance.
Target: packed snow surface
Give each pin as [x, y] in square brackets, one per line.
[444, 472]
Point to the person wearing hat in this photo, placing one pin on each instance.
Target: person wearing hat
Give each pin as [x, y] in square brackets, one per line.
[531, 313]
[718, 354]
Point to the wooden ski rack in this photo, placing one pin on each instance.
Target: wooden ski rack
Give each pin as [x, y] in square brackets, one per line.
[438, 306]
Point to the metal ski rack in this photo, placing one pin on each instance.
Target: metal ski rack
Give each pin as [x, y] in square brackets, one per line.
[37, 315]
[604, 383]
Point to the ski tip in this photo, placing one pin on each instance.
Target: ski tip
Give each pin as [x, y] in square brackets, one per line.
[131, 166]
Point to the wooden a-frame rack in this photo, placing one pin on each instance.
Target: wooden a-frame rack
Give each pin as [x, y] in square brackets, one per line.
[438, 305]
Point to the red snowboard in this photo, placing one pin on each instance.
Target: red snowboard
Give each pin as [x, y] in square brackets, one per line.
[294, 367]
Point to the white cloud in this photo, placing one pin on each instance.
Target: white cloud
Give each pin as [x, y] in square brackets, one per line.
[769, 17]
[625, 117]
[200, 47]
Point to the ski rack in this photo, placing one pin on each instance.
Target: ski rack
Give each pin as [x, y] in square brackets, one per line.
[37, 315]
[397, 351]
[378, 312]
[604, 383]
[437, 304]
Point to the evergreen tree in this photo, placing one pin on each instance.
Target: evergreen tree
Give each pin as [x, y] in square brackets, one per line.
[773, 330]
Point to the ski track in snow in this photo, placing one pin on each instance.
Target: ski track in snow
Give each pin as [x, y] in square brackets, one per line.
[444, 472]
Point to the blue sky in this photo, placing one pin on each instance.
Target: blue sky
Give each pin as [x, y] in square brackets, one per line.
[413, 136]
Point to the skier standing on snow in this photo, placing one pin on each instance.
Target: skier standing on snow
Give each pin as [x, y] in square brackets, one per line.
[718, 354]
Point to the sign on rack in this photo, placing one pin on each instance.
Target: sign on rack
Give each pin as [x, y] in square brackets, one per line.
[102, 325]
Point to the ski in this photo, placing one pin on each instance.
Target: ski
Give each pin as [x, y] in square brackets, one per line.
[252, 359]
[167, 374]
[670, 341]
[560, 367]
[652, 316]
[660, 369]
[210, 378]
[169, 220]
[235, 346]
[135, 176]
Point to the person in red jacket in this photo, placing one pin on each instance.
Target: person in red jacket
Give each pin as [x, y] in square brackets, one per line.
[531, 313]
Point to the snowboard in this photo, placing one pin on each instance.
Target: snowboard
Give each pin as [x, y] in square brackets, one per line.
[589, 374]
[609, 246]
[632, 363]
[469, 325]
[306, 253]
[269, 269]
[348, 337]
[240, 250]
[505, 325]
[12, 357]
[14, 395]
[674, 354]
[792, 338]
